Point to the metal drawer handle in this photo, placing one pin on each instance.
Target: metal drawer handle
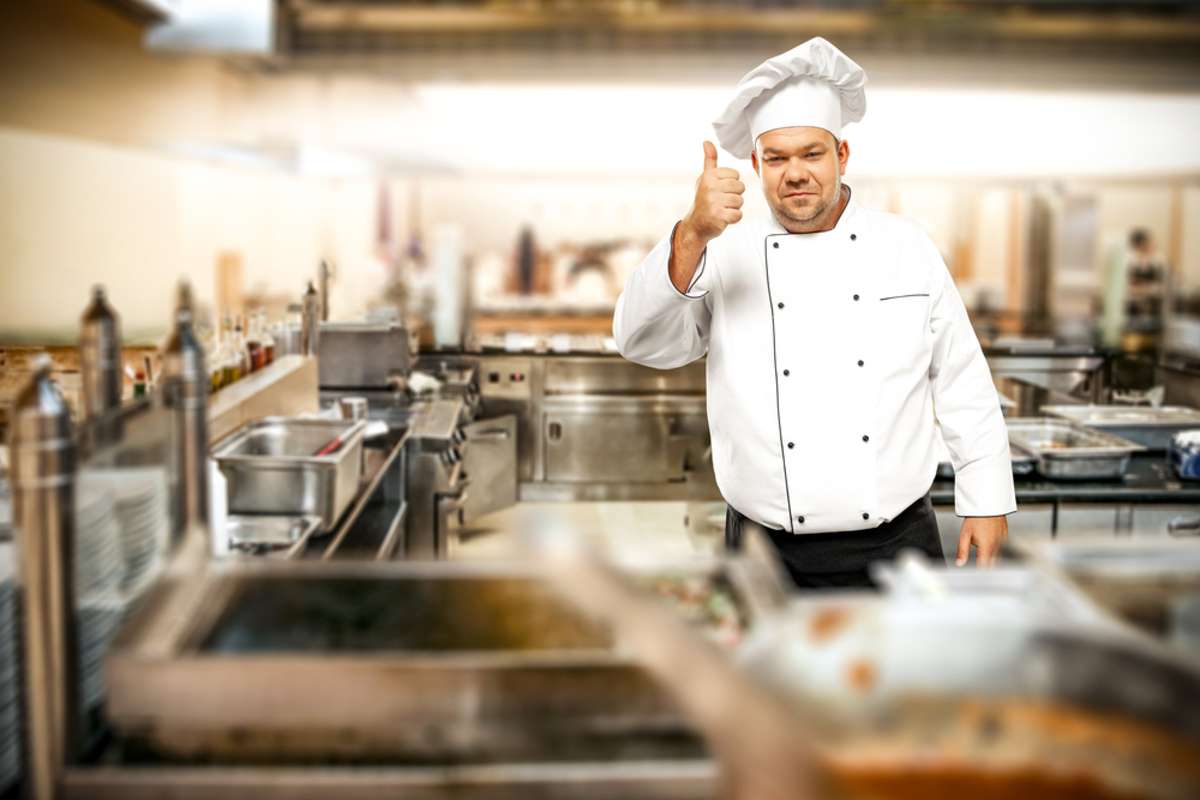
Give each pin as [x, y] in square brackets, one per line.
[490, 435]
[1184, 526]
[555, 431]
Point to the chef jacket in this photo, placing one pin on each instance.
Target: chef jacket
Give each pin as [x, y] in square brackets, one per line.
[834, 358]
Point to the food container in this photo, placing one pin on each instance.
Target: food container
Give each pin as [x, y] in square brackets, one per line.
[1150, 427]
[1022, 462]
[261, 534]
[270, 468]
[1184, 452]
[1066, 451]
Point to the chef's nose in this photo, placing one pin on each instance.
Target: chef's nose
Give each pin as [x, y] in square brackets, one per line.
[797, 171]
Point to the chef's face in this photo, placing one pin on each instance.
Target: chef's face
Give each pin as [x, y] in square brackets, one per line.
[801, 171]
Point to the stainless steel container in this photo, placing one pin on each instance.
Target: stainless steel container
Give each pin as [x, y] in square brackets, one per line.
[270, 468]
[262, 534]
[352, 408]
[362, 355]
[1150, 427]
[1068, 451]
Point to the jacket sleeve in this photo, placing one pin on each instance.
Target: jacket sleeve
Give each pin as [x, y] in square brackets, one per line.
[657, 325]
[967, 406]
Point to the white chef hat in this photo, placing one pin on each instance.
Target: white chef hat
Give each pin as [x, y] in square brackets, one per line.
[811, 85]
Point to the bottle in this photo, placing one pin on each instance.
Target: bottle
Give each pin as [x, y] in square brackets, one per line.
[100, 356]
[268, 341]
[185, 392]
[254, 343]
[310, 330]
[230, 364]
[241, 351]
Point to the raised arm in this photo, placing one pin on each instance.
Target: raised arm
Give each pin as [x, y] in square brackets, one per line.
[662, 318]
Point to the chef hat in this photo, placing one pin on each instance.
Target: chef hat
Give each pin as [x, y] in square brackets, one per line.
[811, 85]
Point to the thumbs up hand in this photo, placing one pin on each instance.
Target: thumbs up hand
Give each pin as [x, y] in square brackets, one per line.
[718, 200]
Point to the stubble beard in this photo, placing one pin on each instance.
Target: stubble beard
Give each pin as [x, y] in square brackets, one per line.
[815, 219]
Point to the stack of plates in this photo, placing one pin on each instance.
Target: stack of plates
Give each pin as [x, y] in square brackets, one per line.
[99, 562]
[140, 499]
[98, 621]
[10, 729]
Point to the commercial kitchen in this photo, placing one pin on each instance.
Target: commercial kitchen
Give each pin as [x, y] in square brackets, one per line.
[325, 473]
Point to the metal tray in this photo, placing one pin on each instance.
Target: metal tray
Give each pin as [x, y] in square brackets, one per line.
[270, 468]
[1150, 427]
[1068, 451]
[263, 534]
[1140, 580]
[1022, 463]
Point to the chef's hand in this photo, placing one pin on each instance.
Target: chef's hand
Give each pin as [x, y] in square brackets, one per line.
[987, 534]
[718, 200]
[717, 205]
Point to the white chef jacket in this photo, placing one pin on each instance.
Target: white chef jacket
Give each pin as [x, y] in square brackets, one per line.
[833, 360]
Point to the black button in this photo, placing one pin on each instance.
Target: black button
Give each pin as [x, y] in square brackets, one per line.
[775, 244]
[791, 445]
[866, 438]
[853, 236]
[780, 305]
[800, 520]
[860, 363]
[787, 372]
[866, 515]
[855, 297]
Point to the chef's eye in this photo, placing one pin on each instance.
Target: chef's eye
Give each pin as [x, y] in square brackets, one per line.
[817, 154]
[774, 159]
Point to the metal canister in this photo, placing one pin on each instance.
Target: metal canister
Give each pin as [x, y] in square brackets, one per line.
[42, 467]
[310, 324]
[100, 365]
[185, 390]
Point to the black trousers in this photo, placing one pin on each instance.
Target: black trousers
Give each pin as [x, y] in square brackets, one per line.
[840, 560]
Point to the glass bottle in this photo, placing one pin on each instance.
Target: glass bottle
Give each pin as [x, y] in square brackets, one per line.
[268, 341]
[254, 343]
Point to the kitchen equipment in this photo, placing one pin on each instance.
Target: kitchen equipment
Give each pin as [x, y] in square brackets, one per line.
[264, 533]
[1068, 451]
[269, 467]
[352, 408]
[360, 355]
[1184, 454]
[437, 482]
[414, 661]
[1150, 427]
[1137, 580]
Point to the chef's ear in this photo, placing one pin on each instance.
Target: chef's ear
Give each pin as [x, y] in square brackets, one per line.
[843, 151]
[754, 160]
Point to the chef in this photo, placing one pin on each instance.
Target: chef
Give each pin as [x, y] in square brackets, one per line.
[838, 347]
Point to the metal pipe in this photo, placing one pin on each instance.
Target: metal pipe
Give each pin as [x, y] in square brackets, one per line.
[185, 390]
[43, 462]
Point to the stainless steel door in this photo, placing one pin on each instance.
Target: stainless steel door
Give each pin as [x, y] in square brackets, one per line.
[490, 463]
[615, 447]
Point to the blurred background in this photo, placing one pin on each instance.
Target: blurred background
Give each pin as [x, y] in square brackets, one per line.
[547, 144]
